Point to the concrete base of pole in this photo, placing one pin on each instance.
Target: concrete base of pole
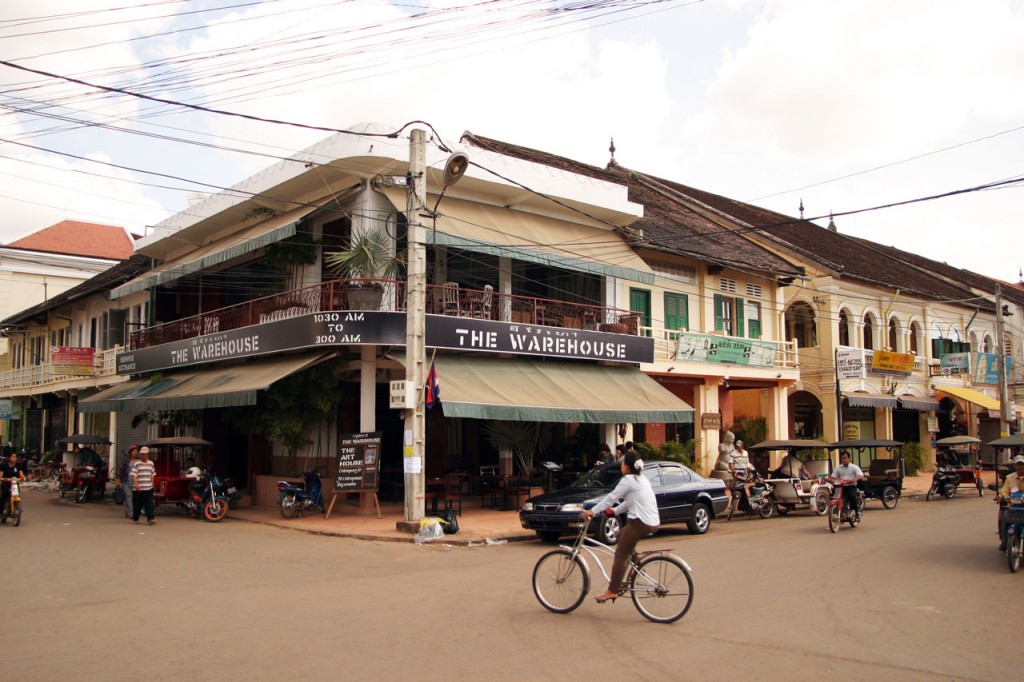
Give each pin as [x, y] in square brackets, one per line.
[408, 527]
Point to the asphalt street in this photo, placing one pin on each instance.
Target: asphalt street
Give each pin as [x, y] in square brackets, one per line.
[914, 593]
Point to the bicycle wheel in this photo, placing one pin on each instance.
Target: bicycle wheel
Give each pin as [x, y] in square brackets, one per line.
[834, 518]
[560, 581]
[662, 589]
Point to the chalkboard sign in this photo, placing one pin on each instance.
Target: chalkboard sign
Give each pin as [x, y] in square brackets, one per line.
[357, 466]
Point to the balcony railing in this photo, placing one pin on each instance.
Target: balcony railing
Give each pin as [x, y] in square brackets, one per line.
[104, 366]
[441, 300]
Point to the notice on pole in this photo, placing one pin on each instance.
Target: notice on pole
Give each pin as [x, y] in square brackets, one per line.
[357, 467]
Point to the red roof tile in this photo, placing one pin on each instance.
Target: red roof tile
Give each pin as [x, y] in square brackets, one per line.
[76, 238]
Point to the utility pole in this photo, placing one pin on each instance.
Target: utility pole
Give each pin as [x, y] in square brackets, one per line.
[1004, 403]
[415, 341]
[839, 400]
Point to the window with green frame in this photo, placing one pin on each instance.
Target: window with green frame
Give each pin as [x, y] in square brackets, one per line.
[753, 311]
[677, 313]
[729, 315]
[640, 302]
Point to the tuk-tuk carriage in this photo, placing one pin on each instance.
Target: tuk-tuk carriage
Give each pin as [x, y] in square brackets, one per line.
[963, 458]
[792, 489]
[1006, 448]
[885, 474]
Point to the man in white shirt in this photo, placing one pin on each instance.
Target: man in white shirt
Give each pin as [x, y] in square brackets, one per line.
[850, 473]
[1014, 483]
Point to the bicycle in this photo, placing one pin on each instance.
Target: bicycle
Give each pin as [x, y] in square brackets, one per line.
[839, 511]
[658, 582]
[12, 509]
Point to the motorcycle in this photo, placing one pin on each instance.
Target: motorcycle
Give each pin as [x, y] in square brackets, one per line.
[1013, 515]
[92, 481]
[12, 510]
[761, 500]
[839, 512]
[226, 487]
[301, 497]
[945, 482]
[205, 501]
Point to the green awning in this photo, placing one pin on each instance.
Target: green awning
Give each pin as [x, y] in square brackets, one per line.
[530, 237]
[226, 386]
[522, 389]
[240, 243]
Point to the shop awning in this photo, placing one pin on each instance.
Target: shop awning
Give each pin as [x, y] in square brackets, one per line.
[524, 389]
[526, 236]
[227, 386]
[860, 399]
[971, 396]
[910, 402]
[256, 237]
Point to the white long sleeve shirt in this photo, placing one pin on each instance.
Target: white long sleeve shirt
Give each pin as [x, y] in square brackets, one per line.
[637, 497]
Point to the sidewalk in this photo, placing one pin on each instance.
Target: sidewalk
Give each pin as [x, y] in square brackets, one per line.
[477, 526]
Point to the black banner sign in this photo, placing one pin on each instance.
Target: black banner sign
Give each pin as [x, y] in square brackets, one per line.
[357, 466]
[355, 328]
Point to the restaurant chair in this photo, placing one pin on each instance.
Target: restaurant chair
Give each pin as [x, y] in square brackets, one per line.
[451, 299]
[453, 493]
[517, 491]
[483, 304]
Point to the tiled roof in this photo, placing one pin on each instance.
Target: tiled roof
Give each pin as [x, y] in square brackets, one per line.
[670, 222]
[76, 238]
[101, 283]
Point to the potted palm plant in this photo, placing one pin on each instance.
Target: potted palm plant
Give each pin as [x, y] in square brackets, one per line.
[367, 260]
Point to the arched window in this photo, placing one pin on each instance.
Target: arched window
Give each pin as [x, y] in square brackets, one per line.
[986, 345]
[915, 338]
[844, 328]
[972, 338]
[800, 325]
[894, 335]
[869, 331]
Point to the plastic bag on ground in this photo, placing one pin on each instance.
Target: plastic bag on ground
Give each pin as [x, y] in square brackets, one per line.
[430, 529]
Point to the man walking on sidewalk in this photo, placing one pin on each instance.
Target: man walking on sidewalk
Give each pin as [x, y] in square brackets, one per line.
[142, 486]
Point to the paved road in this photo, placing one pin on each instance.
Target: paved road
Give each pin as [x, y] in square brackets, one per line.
[916, 593]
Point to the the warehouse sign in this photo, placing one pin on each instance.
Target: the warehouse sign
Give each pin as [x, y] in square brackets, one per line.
[360, 328]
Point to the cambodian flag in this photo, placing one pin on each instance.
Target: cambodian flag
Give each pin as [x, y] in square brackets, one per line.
[433, 387]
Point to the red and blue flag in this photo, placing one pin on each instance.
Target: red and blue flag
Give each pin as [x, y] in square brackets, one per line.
[433, 387]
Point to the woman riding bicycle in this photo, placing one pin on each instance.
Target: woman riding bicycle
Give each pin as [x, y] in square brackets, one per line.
[641, 507]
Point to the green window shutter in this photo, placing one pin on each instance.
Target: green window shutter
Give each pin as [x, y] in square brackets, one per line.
[676, 313]
[754, 327]
[719, 318]
[739, 317]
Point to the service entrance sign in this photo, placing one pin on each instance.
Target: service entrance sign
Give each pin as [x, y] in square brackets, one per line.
[357, 466]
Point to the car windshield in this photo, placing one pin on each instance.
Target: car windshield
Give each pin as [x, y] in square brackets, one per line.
[599, 477]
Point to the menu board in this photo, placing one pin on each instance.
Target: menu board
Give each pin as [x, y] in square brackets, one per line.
[357, 467]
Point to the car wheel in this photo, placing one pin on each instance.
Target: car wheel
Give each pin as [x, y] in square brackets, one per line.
[549, 535]
[700, 519]
[608, 529]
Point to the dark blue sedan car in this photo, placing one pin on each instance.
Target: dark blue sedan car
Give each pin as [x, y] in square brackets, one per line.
[683, 497]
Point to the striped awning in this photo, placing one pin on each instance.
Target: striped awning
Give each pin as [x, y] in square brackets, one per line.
[861, 399]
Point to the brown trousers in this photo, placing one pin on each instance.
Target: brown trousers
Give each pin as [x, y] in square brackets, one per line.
[630, 535]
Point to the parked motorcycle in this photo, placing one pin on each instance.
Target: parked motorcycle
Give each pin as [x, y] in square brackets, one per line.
[92, 482]
[205, 501]
[226, 487]
[301, 497]
[945, 482]
[761, 500]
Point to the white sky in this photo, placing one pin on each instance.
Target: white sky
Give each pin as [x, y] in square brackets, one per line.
[752, 99]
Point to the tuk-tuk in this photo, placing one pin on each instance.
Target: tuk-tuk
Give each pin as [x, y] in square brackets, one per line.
[1001, 464]
[791, 488]
[885, 474]
[967, 468]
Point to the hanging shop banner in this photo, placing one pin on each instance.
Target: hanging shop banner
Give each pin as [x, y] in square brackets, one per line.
[357, 466]
[986, 367]
[892, 364]
[73, 361]
[850, 363]
[955, 363]
[696, 347]
[6, 408]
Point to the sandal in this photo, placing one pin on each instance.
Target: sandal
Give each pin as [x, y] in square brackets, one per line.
[606, 598]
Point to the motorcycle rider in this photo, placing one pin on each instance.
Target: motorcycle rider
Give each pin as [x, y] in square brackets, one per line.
[742, 473]
[9, 469]
[847, 472]
[1014, 483]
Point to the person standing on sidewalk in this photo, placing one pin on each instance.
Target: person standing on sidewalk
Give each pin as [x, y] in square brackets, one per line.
[142, 486]
[124, 477]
